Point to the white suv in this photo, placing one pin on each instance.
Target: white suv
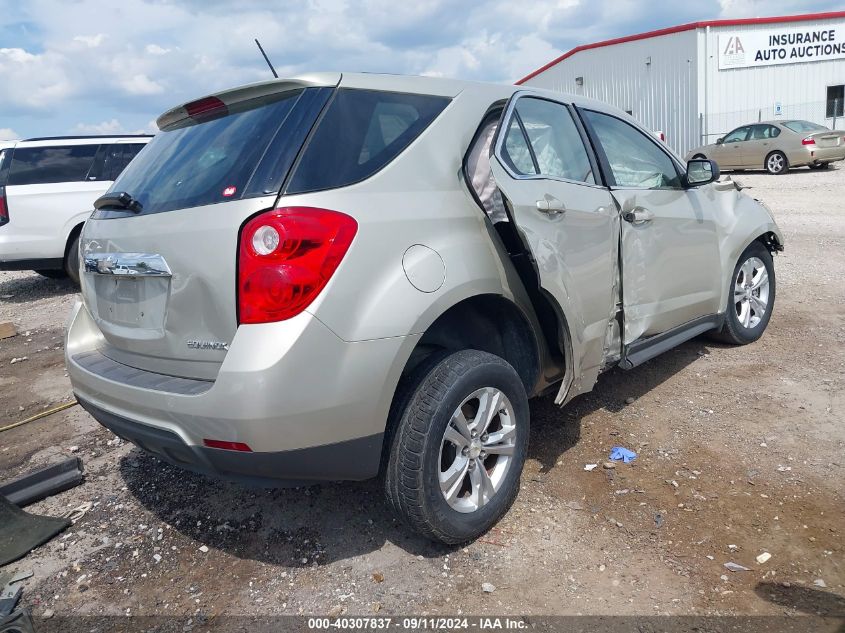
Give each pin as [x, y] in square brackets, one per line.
[47, 191]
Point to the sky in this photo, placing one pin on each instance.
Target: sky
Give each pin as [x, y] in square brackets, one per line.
[97, 67]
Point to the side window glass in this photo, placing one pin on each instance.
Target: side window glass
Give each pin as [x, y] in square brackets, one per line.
[555, 139]
[118, 157]
[774, 132]
[737, 135]
[42, 165]
[761, 132]
[97, 170]
[635, 160]
[375, 127]
[516, 152]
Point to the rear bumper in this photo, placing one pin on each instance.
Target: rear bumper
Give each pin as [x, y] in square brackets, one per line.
[351, 459]
[310, 405]
[811, 155]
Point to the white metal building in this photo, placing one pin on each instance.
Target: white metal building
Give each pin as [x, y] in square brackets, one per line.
[697, 81]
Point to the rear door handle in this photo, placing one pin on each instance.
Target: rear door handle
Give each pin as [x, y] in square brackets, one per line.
[551, 205]
[638, 216]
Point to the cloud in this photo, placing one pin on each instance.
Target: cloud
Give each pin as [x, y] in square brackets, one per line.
[91, 41]
[106, 127]
[111, 127]
[155, 49]
[65, 62]
[141, 85]
[32, 81]
[8, 134]
[757, 8]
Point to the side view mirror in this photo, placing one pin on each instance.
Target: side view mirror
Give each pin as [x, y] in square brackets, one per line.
[720, 140]
[701, 171]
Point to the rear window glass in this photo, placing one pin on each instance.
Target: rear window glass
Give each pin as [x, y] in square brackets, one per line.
[244, 151]
[374, 127]
[804, 126]
[43, 165]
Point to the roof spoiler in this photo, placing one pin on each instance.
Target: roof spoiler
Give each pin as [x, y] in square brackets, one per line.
[246, 93]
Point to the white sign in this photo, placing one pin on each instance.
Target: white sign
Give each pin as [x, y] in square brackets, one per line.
[781, 46]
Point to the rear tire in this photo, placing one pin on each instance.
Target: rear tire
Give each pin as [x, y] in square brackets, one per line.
[776, 163]
[820, 166]
[751, 297]
[453, 471]
[72, 260]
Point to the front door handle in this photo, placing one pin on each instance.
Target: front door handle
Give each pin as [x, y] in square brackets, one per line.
[638, 216]
[551, 205]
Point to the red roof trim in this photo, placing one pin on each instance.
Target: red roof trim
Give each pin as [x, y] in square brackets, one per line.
[687, 27]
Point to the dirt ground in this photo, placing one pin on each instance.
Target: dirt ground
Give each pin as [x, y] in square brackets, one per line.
[740, 453]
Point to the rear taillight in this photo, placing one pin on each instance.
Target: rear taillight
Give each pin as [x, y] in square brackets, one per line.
[286, 257]
[4, 210]
[808, 141]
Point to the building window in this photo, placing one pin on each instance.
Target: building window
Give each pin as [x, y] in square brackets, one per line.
[835, 99]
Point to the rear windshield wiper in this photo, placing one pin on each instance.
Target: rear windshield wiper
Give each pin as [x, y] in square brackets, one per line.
[119, 200]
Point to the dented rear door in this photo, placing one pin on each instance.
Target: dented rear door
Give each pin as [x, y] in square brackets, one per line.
[566, 219]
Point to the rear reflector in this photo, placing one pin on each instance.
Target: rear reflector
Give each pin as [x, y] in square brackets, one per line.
[206, 108]
[808, 141]
[286, 257]
[227, 446]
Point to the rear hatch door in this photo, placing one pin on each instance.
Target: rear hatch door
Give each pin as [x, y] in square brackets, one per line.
[159, 262]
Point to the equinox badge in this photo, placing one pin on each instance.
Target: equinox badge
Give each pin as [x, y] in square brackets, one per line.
[208, 345]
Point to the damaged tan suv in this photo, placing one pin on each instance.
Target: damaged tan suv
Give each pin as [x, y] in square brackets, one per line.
[344, 276]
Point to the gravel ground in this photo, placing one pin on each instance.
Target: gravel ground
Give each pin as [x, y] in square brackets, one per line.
[740, 454]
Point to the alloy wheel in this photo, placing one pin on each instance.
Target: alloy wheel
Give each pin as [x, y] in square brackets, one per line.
[775, 163]
[751, 292]
[477, 450]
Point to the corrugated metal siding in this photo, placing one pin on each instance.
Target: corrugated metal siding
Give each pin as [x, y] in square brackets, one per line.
[662, 95]
[683, 92]
[742, 95]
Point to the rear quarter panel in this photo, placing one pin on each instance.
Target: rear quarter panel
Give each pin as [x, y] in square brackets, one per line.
[420, 198]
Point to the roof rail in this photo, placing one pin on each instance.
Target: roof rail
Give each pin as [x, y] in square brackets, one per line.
[75, 138]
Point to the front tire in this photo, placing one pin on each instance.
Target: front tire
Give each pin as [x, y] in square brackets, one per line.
[459, 448]
[776, 163]
[751, 297]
